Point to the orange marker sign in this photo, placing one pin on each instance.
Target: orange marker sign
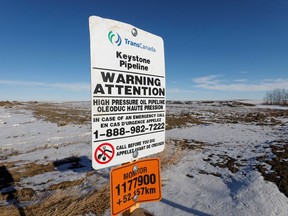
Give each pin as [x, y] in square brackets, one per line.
[133, 183]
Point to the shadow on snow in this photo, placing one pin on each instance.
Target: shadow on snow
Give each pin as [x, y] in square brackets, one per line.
[7, 189]
[184, 208]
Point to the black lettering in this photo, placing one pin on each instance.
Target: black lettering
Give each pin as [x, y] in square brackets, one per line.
[99, 89]
[128, 90]
[147, 191]
[120, 79]
[119, 88]
[157, 82]
[130, 79]
[118, 54]
[107, 76]
[109, 88]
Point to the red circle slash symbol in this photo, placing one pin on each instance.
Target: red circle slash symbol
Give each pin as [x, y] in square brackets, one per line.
[104, 153]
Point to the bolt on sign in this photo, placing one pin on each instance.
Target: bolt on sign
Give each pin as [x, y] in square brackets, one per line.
[133, 183]
[127, 92]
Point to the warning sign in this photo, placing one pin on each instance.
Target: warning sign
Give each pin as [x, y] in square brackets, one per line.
[135, 182]
[127, 92]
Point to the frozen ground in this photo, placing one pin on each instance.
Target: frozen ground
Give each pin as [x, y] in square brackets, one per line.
[225, 149]
[197, 187]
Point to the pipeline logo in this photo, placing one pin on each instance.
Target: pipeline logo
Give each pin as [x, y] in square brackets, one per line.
[114, 38]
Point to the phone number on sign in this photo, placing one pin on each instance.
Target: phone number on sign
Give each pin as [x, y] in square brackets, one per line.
[132, 130]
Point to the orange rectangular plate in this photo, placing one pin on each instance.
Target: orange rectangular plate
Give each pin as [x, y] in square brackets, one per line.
[135, 182]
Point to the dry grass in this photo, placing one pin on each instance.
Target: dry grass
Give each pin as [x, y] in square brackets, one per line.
[181, 121]
[63, 198]
[55, 113]
[9, 211]
[9, 104]
[170, 155]
[27, 170]
[189, 144]
[173, 151]
[65, 184]
[59, 114]
[63, 203]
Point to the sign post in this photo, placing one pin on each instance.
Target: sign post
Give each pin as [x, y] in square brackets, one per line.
[127, 93]
[127, 109]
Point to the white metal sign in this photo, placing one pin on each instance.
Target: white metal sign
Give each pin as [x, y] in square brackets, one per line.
[127, 92]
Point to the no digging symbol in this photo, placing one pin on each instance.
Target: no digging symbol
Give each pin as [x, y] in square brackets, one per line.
[104, 153]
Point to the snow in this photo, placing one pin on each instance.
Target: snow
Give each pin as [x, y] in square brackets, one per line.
[193, 186]
[25, 134]
[241, 193]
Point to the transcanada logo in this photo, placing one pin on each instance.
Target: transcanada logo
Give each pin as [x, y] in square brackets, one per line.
[115, 39]
[139, 45]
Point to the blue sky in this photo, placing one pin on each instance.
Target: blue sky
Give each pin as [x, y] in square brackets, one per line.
[214, 49]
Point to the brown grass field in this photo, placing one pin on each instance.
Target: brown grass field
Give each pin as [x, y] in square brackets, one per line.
[64, 198]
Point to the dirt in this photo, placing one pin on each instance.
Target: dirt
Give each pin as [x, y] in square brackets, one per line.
[209, 173]
[189, 144]
[279, 165]
[226, 161]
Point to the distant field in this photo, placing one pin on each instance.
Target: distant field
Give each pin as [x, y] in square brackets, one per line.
[225, 148]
